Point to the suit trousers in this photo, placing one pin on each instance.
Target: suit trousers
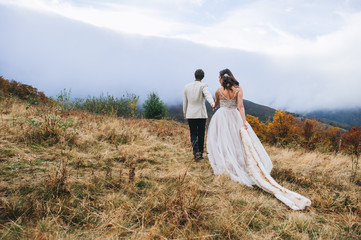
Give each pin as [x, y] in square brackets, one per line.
[197, 127]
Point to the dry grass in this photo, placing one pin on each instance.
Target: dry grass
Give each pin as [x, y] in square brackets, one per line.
[111, 178]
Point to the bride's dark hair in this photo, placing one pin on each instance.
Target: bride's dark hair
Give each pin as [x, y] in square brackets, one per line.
[227, 82]
[227, 71]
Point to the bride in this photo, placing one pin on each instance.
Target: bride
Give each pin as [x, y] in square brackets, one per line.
[234, 149]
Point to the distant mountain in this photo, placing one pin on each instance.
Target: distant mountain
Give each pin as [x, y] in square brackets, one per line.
[343, 119]
[262, 112]
[350, 117]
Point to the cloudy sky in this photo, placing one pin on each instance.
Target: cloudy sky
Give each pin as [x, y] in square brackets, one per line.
[292, 55]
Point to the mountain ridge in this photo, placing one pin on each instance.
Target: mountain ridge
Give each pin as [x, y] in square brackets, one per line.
[350, 117]
[265, 113]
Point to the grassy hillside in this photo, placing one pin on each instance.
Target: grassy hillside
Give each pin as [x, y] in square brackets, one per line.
[73, 175]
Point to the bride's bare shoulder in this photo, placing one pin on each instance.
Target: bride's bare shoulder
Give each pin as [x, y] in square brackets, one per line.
[239, 92]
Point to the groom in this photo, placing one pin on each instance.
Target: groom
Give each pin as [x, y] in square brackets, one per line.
[194, 110]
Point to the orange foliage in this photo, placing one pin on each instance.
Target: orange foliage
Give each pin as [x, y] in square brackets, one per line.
[352, 144]
[258, 127]
[309, 133]
[286, 130]
[22, 91]
[308, 128]
[351, 141]
[333, 138]
[283, 128]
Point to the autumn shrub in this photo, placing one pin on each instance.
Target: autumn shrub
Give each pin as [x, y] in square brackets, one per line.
[4, 87]
[258, 127]
[283, 129]
[287, 131]
[309, 134]
[332, 139]
[22, 91]
[352, 144]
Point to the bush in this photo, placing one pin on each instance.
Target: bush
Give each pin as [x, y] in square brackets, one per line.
[22, 91]
[258, 127]
[109, 105]
[154, 107]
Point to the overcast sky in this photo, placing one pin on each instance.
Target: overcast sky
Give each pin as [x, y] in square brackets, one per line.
[292, 55]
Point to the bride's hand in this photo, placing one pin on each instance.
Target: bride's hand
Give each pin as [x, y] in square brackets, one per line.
[245, 126]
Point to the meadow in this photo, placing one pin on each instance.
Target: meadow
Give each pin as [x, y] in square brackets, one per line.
[75, 175]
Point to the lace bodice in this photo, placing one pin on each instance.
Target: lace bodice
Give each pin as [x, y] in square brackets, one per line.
[228, 103]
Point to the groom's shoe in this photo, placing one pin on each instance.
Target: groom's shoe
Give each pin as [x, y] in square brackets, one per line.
[198, 156]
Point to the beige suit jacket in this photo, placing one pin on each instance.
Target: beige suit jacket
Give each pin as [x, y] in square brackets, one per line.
[194, 97]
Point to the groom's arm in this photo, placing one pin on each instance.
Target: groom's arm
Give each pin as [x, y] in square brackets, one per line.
[208, 95]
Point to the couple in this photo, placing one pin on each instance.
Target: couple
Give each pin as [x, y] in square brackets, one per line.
[233, 147]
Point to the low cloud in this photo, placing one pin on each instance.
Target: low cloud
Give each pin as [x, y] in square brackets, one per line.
[277, 65]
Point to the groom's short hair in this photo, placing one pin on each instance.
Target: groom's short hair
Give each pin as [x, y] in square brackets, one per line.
[199, 74]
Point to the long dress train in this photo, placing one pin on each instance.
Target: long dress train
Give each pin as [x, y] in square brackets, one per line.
[238, 152]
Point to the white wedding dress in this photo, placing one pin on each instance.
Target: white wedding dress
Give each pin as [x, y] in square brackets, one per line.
[238, 153]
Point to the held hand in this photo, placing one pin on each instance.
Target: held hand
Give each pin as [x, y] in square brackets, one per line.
[214, 107]
[185, 118]
[245, 125]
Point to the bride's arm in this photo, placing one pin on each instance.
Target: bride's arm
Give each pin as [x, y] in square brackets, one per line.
[241, 107]
[217, 101]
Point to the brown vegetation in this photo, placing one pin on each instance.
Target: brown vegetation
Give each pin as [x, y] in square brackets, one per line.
[74, 175]
[287, 131]
[22, 91]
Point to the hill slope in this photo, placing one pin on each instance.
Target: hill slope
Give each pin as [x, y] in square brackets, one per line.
[94, 177]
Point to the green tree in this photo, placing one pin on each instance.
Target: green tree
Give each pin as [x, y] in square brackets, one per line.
[154, 107]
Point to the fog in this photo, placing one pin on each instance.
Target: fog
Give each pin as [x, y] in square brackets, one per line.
[52, 52]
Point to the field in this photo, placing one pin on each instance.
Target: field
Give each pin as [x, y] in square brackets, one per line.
[74, 175]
